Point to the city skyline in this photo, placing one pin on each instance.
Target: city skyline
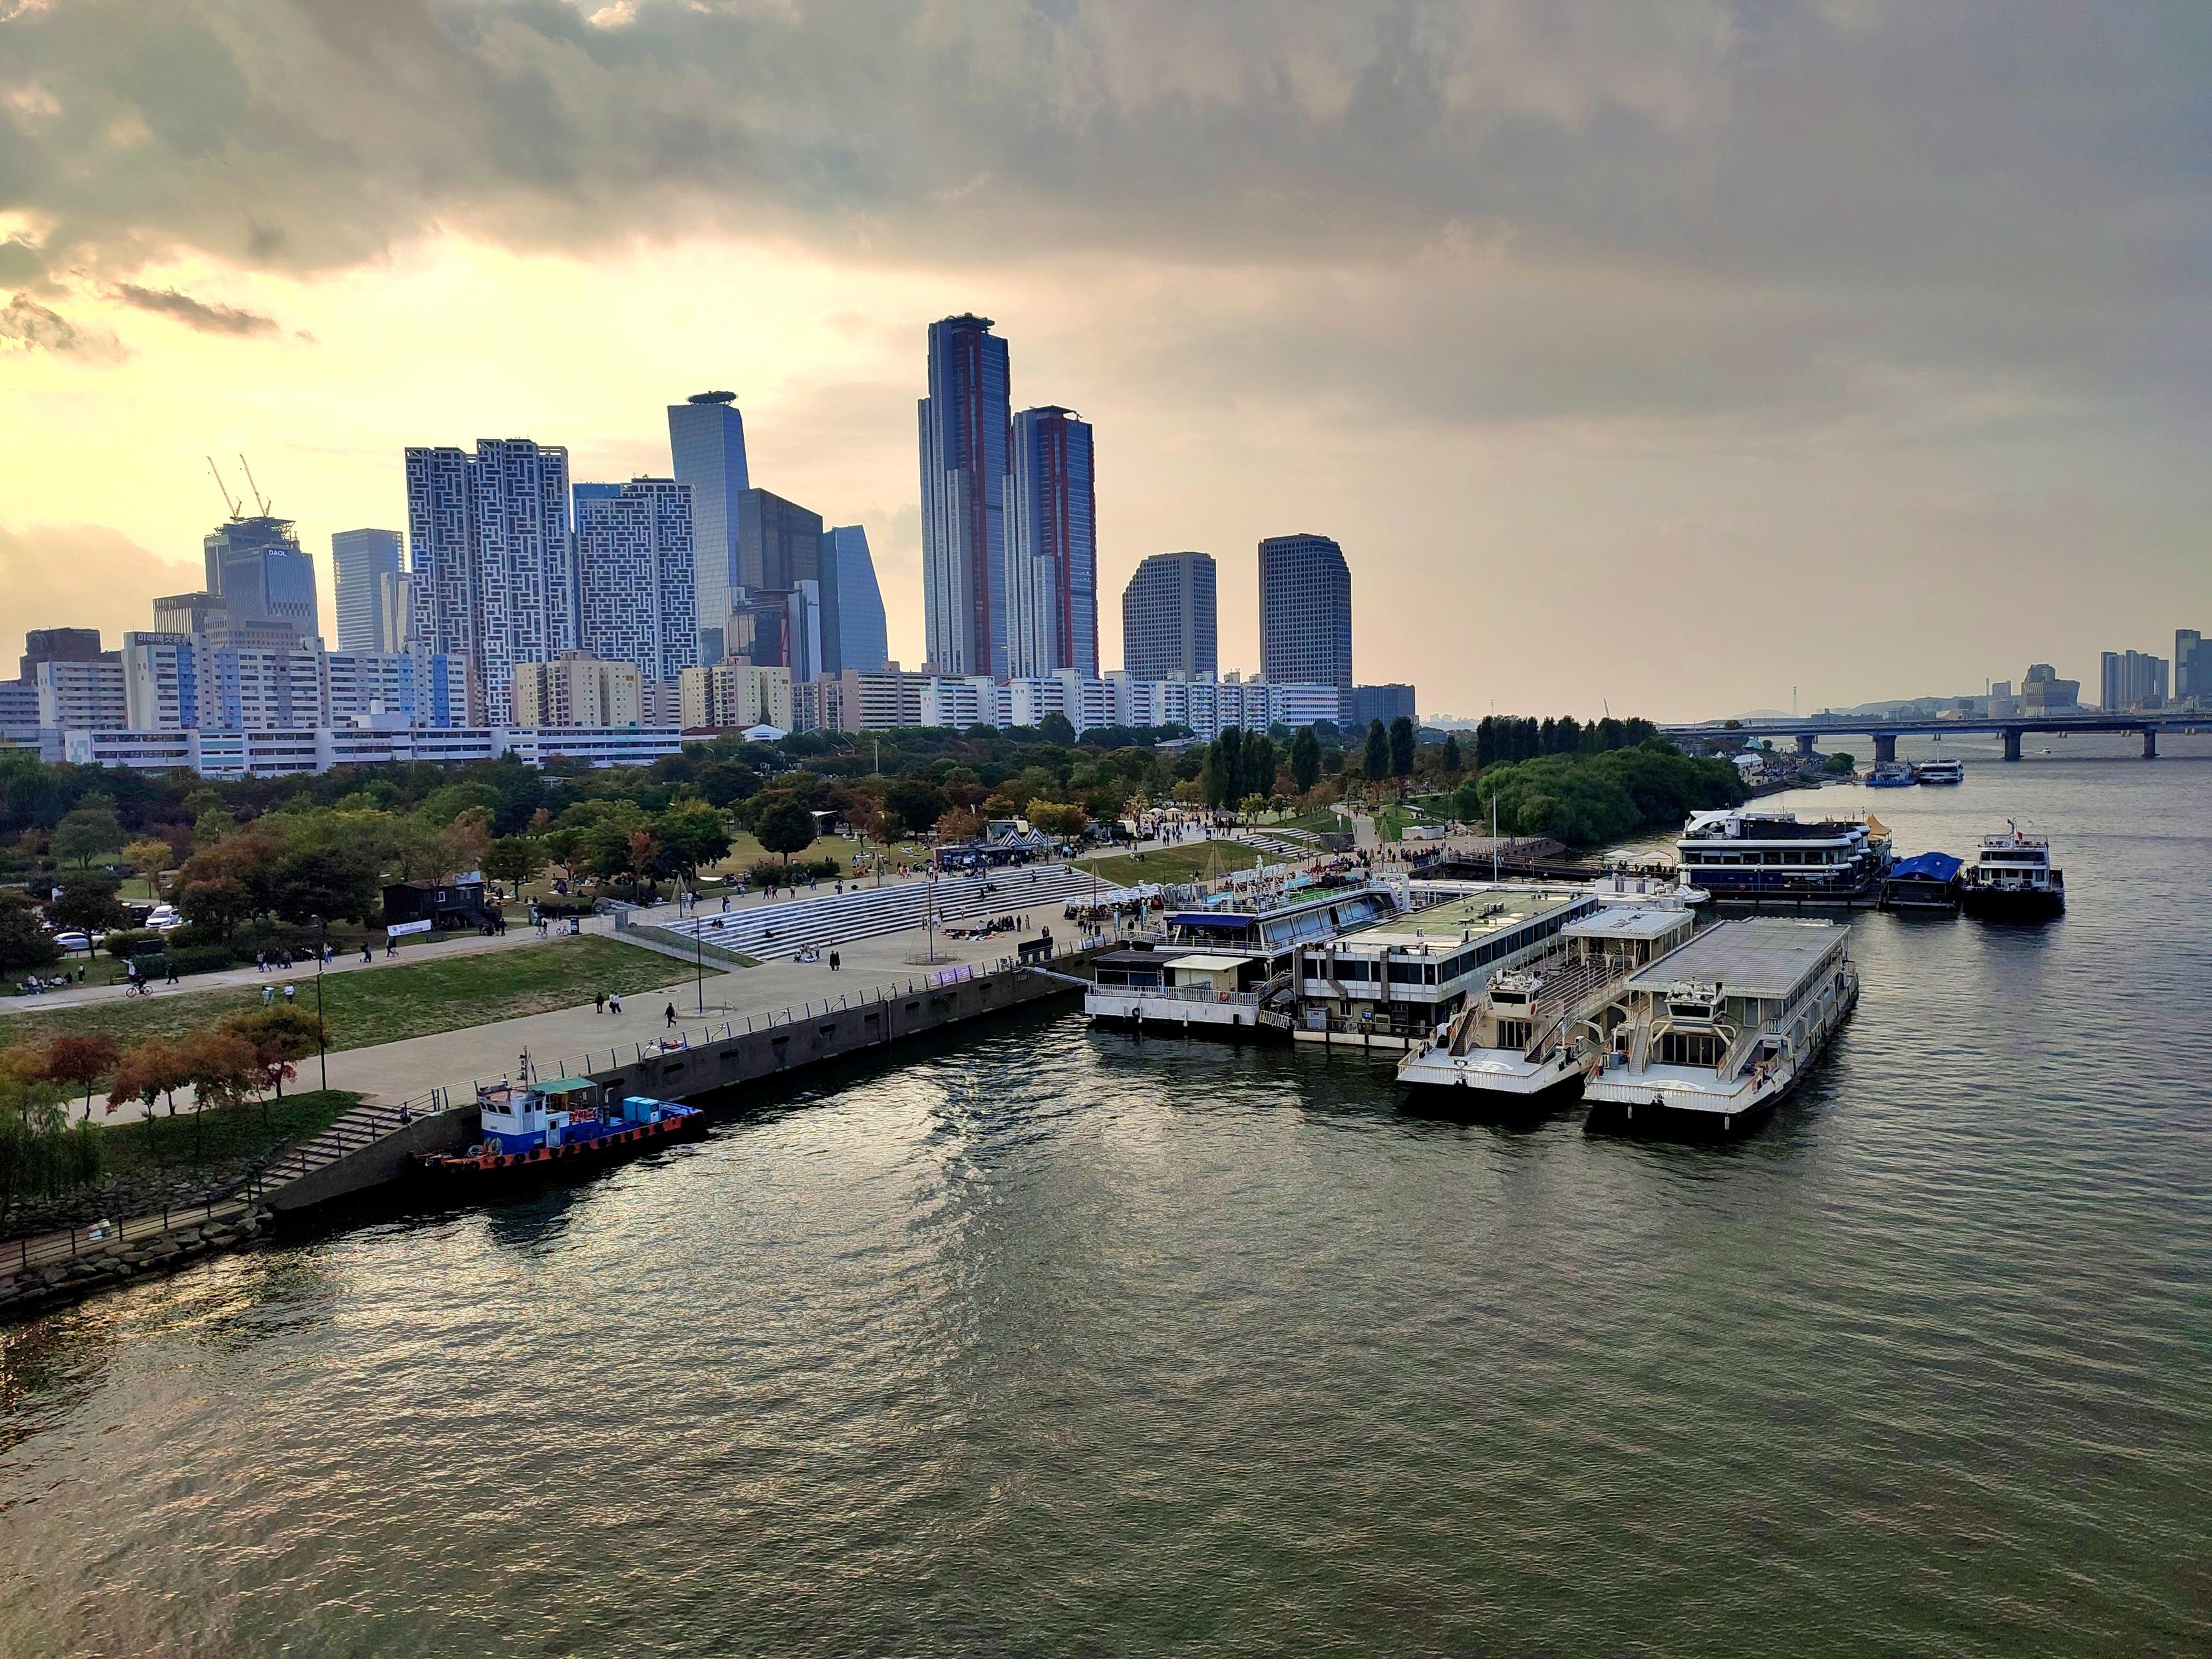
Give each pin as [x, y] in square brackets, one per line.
[1594, 304]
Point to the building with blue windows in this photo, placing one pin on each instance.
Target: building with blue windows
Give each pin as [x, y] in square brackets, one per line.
[1305, 613]
[1052, 545]
[1169, 628]
[635, 563]
[258, 569]
[365, 571]
[707, 447]
[863, 635]
[965, 425]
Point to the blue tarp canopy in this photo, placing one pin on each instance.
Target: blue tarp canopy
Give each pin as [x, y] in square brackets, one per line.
[1926, 866]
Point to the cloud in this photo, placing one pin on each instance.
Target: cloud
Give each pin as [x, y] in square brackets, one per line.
[33, 327]
[81, 575]
[207, 316]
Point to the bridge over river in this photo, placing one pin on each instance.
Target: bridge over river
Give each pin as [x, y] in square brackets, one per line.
[1885, 733]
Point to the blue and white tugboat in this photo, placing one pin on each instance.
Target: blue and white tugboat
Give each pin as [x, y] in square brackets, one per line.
[559, 1125]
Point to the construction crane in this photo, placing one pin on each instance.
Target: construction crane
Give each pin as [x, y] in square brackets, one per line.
[257, 500]
[223, 487]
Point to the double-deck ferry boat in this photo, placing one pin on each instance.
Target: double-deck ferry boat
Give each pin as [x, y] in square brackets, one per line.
[1523, 1045]
[1939, 771]
[559, 1125]
[1712, 1037]
[1745, 856]
[1891, 775]
[2012, 878]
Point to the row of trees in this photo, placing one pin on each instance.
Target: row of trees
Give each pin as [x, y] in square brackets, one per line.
[1580, 798]
[1503, 740]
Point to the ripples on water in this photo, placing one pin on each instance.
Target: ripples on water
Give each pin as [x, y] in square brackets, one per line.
[1054, 1342]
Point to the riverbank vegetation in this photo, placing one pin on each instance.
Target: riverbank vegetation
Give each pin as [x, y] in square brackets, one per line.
[1585, 798]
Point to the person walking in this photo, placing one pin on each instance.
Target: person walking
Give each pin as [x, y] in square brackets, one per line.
[367, 954]
[598, 1002]
[671, 1017]
[836, 962]
[614, 1002]
[290, 991]
[268, 996]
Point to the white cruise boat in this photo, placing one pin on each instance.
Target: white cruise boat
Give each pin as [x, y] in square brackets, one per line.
[1939, 771]
[1523, 1045]
[1713, 1036]
[2011, 879]
[1748, 856]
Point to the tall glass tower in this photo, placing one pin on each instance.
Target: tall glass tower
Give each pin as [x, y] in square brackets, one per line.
[1052, 544]
[965, 424]
[863, 639]
[1169, 627]
[706, 444]
[361, 563]
[1305, 614]
[258, 569]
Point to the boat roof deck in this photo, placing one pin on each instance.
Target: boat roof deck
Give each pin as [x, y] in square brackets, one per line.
[1445, 928]
[1760, 956]
[1625, 921]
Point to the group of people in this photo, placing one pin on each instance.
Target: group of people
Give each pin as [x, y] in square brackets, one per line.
[281, 961]
[39, 985]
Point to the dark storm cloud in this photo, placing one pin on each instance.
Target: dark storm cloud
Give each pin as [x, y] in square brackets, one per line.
[209, 317]
[1753, 198]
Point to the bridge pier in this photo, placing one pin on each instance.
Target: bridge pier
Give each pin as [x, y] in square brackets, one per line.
[2150, 743]
[2012, 744]
[1885, 747]
[1805, 744]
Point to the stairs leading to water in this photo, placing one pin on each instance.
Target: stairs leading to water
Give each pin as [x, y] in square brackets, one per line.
[778, 932]
[363, 1126]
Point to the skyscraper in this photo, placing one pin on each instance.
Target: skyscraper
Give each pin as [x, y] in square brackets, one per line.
[1305, 612]
[706, 445]
[258, 569]
[1052, 545]
[779, 547]
[965, 425]
[1168, 619]
[360, 561]
[2193, 668]
[2130, 679]
[863, 639]
[493, 574]
[635, 563]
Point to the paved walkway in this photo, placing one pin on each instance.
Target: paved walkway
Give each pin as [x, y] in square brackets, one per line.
[419, 950]
[565, 1039]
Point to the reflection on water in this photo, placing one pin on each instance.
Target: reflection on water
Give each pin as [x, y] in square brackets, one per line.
[1053, 1340]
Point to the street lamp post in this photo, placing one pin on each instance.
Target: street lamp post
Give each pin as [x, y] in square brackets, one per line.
[699, 962]
[322, 954]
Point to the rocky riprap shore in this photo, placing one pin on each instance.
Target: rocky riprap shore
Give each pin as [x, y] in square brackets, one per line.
[105, 1265]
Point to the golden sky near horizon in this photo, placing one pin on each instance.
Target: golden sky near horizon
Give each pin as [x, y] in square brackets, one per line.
[1646, 360]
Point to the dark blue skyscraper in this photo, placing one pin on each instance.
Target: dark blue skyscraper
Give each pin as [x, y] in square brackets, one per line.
[706, 445]
[1052, 544]
[258, 569]
[863, 639]
[364, 570]
[1305, 613]
[965, 427]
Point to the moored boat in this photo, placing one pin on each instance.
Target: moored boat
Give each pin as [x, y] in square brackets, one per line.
[1743, 855]
[1939, 771]
[1711, 1039]
[559, 1125]
[1891, 775]
[2012, 880]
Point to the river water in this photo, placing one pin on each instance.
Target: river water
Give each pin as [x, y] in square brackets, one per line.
[1052, 1342]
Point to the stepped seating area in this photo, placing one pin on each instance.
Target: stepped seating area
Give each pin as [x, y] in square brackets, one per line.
[821, 921]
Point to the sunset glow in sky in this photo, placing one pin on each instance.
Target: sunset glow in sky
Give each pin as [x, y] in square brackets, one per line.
[1663, 356]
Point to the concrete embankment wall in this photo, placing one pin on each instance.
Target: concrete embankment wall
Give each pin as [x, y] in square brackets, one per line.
[865, 1028]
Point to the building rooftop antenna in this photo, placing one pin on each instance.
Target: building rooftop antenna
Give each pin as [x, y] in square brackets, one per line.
[258, 502]
[223, 487]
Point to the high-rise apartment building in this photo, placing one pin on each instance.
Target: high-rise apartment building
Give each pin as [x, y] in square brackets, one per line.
[77, 695]
[1305, 612]
[575, 688]
[257, 567]
[635, 561]
[965, 425]
[863, 637]
[2192, 665]
[730, 696]
[707, 447]
[364, 570]
[2130, 679]
[1169, 627]
[1052, 544]
[493, 576]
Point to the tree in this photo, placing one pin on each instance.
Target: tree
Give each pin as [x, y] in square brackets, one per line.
[1451, 753]
[786, 828]
[958, 823]
[86, 830]
[223, 1068]
[693, 834]
[214, 906]
[1842, 763]
[1056, 727]
[330, 885]
[279, 1035]
[80, 1062]
[514, 860]
[1305, 759]
[87, 902]
[1401, 747]
[149, 857]
[462, 843]
[1375, 762]
[1057, 818]
[23, 942]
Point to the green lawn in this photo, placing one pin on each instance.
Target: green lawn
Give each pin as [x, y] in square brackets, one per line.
[1192, 861]
[383, 1004]
[174, 1146]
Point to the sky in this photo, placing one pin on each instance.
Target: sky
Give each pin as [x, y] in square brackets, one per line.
[1674, 358]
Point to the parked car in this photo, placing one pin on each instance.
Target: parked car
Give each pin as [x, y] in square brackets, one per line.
[163, 917]
[73, 940]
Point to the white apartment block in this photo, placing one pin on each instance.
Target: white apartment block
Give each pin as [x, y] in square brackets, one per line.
[80, 694]
[636, 572]
[294, 752]
[854, 702]
[175, 682]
